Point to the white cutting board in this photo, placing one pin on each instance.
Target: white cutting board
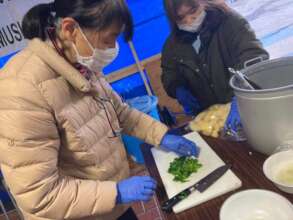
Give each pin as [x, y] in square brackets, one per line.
[210, 161]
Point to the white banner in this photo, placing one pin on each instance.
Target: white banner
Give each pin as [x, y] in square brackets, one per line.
[12, 12]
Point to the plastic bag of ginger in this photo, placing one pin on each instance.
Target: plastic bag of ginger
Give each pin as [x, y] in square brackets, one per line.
[211, 121]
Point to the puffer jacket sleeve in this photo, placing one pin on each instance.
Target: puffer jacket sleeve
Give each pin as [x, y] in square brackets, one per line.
[171, 78]
[29, 146]
[243, 43]
[134, 122]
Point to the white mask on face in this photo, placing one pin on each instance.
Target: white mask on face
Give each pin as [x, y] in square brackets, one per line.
[195, 25]
[99, 59]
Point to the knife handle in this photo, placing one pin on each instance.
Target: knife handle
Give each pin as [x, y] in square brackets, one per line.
[168, 205]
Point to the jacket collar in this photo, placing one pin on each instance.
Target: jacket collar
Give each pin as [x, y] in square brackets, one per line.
[49, 56]
[214, 19]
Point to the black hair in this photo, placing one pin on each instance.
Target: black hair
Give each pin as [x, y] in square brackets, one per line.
[171, 7]
[91, 14]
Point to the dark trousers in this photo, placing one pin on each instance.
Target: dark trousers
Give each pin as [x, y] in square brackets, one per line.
[128, 215]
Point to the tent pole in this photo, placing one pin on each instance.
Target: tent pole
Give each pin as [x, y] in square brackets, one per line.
[140, 68]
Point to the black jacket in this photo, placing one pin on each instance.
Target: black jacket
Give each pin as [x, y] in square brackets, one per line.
[227, 40]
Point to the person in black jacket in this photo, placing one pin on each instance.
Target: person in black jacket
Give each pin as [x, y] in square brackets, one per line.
[207, 37]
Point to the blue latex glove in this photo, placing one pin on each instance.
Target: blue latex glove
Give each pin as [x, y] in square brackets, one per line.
[189, 103]
[233, 121]
[137, 188]
[179, 145]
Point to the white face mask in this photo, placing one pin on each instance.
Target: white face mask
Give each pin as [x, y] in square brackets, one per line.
[196, 24]
[99, 59]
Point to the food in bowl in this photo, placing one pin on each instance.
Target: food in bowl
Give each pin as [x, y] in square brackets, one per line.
[285, 174]
[278, 168]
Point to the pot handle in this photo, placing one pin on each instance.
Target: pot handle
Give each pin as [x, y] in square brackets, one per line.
[253, 61]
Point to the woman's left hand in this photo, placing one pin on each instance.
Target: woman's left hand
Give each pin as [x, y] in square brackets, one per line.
[180, 145]
[233, 121]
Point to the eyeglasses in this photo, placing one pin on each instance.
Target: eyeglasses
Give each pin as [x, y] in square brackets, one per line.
[100, 100]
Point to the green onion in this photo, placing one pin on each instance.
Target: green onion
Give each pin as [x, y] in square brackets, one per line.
[183, 167]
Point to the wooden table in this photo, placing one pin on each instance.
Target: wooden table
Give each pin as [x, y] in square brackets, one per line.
[247, 165]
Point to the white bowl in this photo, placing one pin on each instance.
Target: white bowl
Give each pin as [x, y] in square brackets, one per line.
[256, 205]
[274, 166]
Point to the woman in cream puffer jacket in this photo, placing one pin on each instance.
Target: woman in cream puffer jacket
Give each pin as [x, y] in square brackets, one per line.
[61, 153]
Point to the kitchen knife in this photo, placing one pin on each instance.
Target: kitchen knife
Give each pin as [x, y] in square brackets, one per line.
[200, 186]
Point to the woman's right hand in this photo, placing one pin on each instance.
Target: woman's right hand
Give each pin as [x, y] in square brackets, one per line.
[137, 188]
[189, 103]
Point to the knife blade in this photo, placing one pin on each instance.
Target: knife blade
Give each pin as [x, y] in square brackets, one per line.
[200, 186]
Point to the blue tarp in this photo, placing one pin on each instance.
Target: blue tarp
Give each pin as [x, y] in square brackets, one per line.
[4, 59]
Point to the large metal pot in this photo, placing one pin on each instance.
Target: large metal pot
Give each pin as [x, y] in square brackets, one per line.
[267, 114]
